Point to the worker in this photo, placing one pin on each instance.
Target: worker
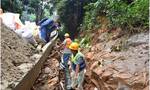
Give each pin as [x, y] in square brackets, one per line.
[65, 58]
[78, 66]
[46, 27]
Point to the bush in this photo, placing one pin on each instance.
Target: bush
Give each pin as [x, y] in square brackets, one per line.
[120, 13]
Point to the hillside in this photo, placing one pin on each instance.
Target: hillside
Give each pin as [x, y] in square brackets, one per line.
[15, 57]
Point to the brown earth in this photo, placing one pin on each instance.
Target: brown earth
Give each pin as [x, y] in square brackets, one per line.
[15, 57]
[118, 62]
[114, 62]
[50, 76]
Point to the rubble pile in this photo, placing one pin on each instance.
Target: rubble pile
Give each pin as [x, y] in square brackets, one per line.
[119, 70]
[49, 78]
[16, 58]
[106, 69]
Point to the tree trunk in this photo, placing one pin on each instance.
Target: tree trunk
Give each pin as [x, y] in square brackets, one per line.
[37, 15]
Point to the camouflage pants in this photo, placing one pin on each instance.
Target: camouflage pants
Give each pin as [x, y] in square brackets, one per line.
[79, 81]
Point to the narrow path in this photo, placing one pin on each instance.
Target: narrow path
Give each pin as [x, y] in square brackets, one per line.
[49, 76]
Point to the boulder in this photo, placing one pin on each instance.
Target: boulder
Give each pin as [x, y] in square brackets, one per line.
[138, 39]
[47, 70]
[89, 56]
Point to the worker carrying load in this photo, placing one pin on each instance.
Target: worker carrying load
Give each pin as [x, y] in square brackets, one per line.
[78, 66]
[65, 58]
[46, 27]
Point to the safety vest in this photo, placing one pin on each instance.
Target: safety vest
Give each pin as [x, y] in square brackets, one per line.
[68, 42]
[74, 60]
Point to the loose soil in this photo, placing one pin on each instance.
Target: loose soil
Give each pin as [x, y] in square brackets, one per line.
[119, 63]
[15, 59]
[51, 75]
[116, 63]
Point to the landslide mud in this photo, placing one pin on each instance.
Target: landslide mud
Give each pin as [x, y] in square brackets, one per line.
[107, 70]
[15, 54]
[120, 70]
[51, 75]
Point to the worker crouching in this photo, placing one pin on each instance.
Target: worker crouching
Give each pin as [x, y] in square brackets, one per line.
[78, 66]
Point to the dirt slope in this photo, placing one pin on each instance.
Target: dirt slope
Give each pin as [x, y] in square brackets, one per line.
[15, 52]
[118, 62]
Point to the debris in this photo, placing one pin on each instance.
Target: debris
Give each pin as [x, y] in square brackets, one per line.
[47, 70]
[15, 57]
[61, 84]
[89, 56]
[52, 81]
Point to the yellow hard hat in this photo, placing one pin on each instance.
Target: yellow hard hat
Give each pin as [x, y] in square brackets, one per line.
[66, 35]
[74, 46]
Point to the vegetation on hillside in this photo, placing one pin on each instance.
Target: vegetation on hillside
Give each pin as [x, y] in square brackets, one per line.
[127, 14]
[77, 15]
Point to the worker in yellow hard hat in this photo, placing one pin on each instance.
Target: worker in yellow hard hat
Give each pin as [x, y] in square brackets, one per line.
[65, 58]
[78, 66]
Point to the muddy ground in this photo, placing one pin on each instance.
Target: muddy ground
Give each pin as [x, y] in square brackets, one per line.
[119, 63]
[15, 58]
[50, 75]
[114, 64]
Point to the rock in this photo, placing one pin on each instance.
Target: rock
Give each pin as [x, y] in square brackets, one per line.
[95, 88]
[45, 87]
[102, 37]
[123, 87]
[92, 48]
[98, 70]
[4, 84]
[106, 75]
[39, 47]
[89, 56]
[117, 34]
[108, 46]
[146, 88]
[36, 56]
[96, 83]
[52, 81]
[57, 64]
[138, 39]
[108, 56]
[122, 76]
[94, 65]
[47, 70]
[25, 67]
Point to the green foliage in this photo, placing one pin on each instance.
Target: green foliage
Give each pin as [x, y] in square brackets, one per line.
[34, 10]
[15, 6]
[129, 16]
[32, 17]
[85, 42]
[46, 13]
[71, 14]
[90, 17]
[122, 14]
